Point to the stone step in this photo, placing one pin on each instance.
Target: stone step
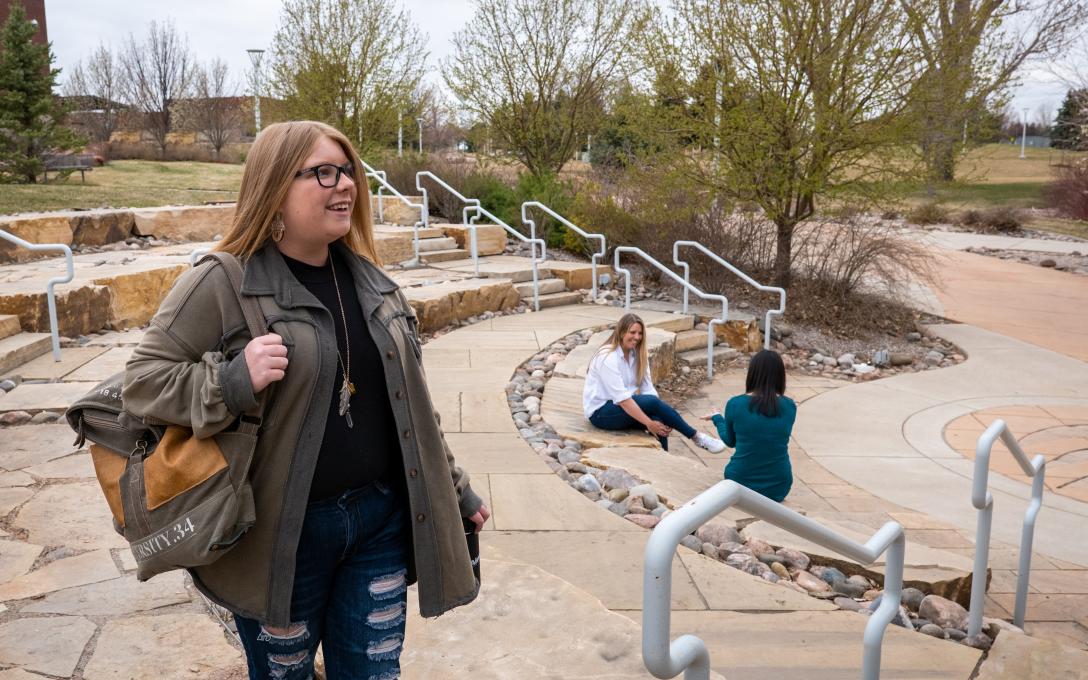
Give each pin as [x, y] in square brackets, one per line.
[432, 256]
[9, 325]
[559, 299]
[20, 348]
[690, 340]
[429, 245]
[547, 286]
[1016, 656]
[698, 356]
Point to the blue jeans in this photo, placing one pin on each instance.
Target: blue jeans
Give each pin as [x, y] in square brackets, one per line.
[612, 417]
[349, 593]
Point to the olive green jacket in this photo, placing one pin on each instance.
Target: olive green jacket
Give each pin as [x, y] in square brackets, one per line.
[190, 370]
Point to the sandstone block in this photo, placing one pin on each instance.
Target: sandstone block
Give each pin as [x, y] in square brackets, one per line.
[395, 211]
[743, 336]
[184, 223]
[393, 247]
[79, 310]
[97, 228]
[134, 298]
[490, 238]
[35, 229]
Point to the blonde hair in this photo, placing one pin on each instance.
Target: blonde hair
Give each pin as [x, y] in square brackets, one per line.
[277, 154]
[622, 326]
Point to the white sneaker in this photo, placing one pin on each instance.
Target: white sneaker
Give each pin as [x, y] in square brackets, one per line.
[709, 443]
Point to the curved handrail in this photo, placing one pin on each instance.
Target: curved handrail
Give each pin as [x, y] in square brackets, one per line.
[570, 225]
[196, 254]
[984, 501]
[532, 241]
[50, 294]
[688, 653]
[442, 183]
[687, 286]
[379, 175]
[748, 279]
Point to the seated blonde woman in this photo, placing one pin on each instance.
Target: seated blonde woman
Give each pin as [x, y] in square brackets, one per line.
[619, 394]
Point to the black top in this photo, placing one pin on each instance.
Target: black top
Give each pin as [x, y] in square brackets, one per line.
[351, 457]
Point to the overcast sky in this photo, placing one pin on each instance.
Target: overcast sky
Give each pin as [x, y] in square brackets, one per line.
[226, 28]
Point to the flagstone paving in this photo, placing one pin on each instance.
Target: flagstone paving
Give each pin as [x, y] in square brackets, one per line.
[555, 563]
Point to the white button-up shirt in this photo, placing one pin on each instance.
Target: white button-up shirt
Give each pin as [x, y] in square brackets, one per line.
[611, 377]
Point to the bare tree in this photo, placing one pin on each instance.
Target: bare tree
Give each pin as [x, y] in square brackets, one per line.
[1044, 116]
[972, 51]
[157, 73]
[537, 71]
[215, 109]
[351, 63]
[97, 81]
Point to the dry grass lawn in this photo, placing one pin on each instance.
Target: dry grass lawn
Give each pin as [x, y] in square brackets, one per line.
[127, 184]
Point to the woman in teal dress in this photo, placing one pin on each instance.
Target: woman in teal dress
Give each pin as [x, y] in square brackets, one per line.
[758, 426]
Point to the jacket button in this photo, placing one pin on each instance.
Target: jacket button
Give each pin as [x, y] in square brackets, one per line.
[413, 473]
[407, 434]
[389, 354]
[420, 517]
[400, 394]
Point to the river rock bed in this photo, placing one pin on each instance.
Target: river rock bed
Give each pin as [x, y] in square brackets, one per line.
[622, 493]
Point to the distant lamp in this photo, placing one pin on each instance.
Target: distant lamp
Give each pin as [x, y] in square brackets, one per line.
[255, 58]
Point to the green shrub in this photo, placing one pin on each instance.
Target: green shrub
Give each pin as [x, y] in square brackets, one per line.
[557, 195]
[1001, 220]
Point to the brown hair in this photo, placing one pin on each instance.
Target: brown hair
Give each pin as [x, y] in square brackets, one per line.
[277, 154]
[622, 326]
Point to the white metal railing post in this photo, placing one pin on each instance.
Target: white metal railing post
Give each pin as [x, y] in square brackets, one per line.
[573, 227]
[380, 176]
[714, 256]
[983, 500]
[50, 292]
[196, 254]
[483, 212]
[688, 654]
[470, 204]
[687, 285]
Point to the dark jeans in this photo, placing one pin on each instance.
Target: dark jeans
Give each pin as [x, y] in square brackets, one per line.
[349, 593]
[612, 417]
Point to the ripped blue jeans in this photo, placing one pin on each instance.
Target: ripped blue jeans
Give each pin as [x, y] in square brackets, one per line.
[349, 593]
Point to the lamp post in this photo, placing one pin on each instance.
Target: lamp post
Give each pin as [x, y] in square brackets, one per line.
[400, 138]
[255, 58]
[1023, 132]
[419, 122]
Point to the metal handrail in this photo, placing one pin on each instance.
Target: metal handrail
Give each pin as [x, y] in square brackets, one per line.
[470, 204]
[50, 294]
[712, 255]
[196, 254]
[379, 175]
[687, 286]
[471, 223]
[984, 501]
[371, 172]
[438, 180]
[688, 654]
[570, 225]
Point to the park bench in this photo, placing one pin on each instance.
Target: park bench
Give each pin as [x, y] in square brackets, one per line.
[84, 162]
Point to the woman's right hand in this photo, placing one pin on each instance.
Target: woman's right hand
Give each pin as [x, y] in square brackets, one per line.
[266, 358]
[658, 429]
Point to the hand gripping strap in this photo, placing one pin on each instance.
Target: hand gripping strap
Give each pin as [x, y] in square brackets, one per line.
[251, 310]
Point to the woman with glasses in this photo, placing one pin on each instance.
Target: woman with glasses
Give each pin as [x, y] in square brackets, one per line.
[357, 494]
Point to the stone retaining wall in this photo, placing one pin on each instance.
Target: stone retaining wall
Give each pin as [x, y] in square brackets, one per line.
[101, 227]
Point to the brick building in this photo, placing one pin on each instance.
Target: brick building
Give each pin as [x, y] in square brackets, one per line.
[35, 11]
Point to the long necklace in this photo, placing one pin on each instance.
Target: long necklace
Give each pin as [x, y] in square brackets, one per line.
[347, 388]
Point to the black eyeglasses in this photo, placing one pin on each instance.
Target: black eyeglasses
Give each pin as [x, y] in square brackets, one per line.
[327, 174]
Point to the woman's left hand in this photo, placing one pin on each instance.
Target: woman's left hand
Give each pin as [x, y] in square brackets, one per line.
[480, 517]
[709, 416]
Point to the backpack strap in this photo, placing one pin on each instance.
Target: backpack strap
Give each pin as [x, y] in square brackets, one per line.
[255, 321]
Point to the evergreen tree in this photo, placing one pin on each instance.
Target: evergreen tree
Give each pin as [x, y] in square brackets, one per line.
[30, 116]
[1068, 130]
